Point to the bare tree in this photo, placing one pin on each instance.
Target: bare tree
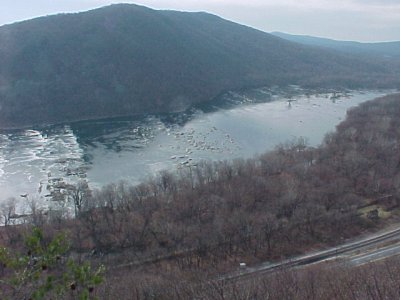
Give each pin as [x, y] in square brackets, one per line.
[79, 195]
[7, 211]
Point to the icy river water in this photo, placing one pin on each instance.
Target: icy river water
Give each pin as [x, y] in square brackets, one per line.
[32, 161]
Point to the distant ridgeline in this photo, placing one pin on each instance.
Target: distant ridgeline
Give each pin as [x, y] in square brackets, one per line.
[386, 50]
[126, 59]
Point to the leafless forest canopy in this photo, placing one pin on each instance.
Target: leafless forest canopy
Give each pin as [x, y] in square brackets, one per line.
[203, 221]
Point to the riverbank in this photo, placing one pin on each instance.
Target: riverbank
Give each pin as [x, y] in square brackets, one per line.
[135, 149]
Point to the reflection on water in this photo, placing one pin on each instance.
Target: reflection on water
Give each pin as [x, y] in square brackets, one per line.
[41, 161]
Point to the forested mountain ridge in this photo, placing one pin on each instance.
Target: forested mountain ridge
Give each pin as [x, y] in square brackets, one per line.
[384, 49]
[126, 59]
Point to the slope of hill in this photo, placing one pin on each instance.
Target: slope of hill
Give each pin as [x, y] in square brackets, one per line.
[384, 49]
[127, 59]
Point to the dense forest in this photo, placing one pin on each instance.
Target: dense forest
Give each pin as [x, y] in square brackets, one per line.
[126, 59]
[388, 50]
[375, 281]
[202, 221]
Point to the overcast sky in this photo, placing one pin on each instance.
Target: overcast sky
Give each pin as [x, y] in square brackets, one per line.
[361, 20]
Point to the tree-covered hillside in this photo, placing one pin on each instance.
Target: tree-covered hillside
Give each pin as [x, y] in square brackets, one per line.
[126, 59]
[388, 50]
[171, 235]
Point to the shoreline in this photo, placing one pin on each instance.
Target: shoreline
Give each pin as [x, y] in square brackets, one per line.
[214, 101]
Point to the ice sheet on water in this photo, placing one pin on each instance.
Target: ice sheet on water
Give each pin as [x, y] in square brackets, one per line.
[110, 150]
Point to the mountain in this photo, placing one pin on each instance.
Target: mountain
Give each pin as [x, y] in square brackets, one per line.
[125, 59]
[383, 49]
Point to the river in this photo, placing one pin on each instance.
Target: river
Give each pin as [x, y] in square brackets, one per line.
[33, 161]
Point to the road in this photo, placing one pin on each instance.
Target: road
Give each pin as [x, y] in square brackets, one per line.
[355, 253]
[374, 255]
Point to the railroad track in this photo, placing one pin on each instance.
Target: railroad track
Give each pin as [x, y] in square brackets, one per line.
[312, 258]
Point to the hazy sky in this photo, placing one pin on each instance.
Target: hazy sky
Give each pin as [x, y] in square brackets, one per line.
[362, 20]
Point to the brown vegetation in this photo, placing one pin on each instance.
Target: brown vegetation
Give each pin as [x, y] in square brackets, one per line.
[375, 281]
[204, 220]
